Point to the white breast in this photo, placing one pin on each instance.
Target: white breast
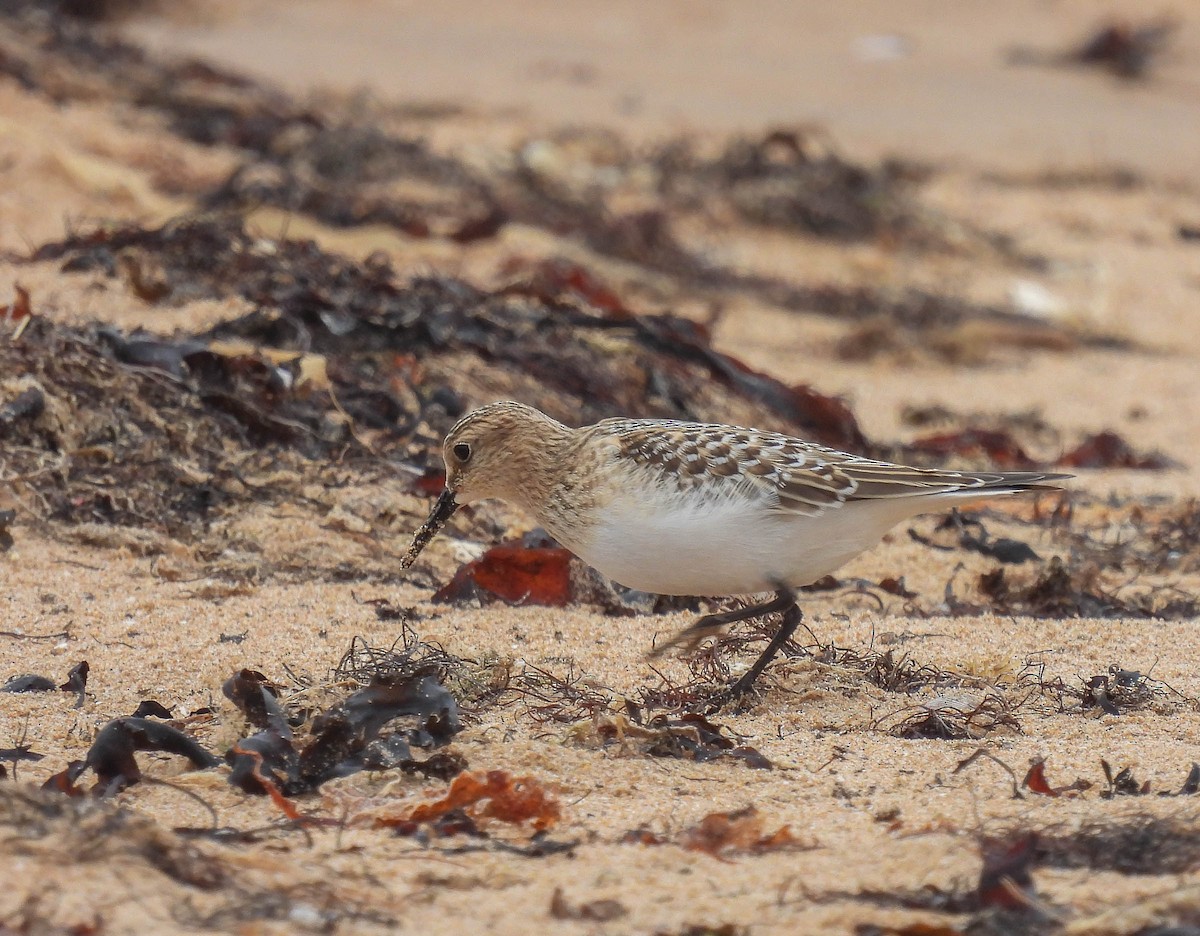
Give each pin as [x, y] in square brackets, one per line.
[732, 546]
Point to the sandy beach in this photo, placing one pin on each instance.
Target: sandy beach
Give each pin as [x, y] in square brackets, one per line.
[256, 258]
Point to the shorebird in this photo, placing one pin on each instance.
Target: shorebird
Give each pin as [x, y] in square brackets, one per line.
[681, 508]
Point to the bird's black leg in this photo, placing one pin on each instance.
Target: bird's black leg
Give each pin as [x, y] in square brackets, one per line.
[785, 600]
[712, 624]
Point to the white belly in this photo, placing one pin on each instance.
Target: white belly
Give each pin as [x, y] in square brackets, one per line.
[730, 547]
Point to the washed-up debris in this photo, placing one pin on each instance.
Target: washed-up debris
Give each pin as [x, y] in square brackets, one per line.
[28, 404]
[1035, 782]
[1006, 442]
[1122, 782]
[972, 535]
[350, 174]
[688, 737]
[76, 682]
[514, 574]
[792, 178]
[997, 446]
[384, 609]
[598, 911]
[493, 795]
[1151, 539]
[1121, 690]
[349, 736]
[567, 699]
[1109, 450]
[256, 697]
[1125, 49]
[1116, 783]
[557, 279]
[30, 682]
[743, 831]
[111, 756]
[1067, 590]
[244, 383]
[150, 708]
[401, 690]
[952, 718]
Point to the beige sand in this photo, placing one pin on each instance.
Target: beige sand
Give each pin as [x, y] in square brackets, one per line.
[870, 812]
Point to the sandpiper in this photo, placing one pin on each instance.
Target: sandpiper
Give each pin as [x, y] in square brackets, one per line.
[681, 508]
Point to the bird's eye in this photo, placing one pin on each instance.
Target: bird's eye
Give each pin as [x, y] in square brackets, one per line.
[462, 452]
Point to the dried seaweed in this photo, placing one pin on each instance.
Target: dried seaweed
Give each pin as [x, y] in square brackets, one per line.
[189, 422]
[494, 795]
[1134, 843]
[1067, 590]
[951, 718]
[515, 575]
[548, 697]
[348, 170]
[1123, 48]
[742, 831]
[97, 830]
[1109, 450]
[401, 689]
[111, 755]
[1007, 440]
[599, 911]
[687, 737]
[790, 179]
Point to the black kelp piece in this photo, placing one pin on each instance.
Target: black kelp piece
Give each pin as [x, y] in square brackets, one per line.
[973, 536]
[111, 755]
[77, 678]
[151, 708]
[257, 698]
[401, 685]
[29, 682]
[27, 405]
[265, 762]
[346, 738]
[21, 752]
[1191, 786]
[1122, 782]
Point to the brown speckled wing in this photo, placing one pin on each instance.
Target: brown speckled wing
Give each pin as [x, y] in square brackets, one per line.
[800, 477]
[686, 455]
